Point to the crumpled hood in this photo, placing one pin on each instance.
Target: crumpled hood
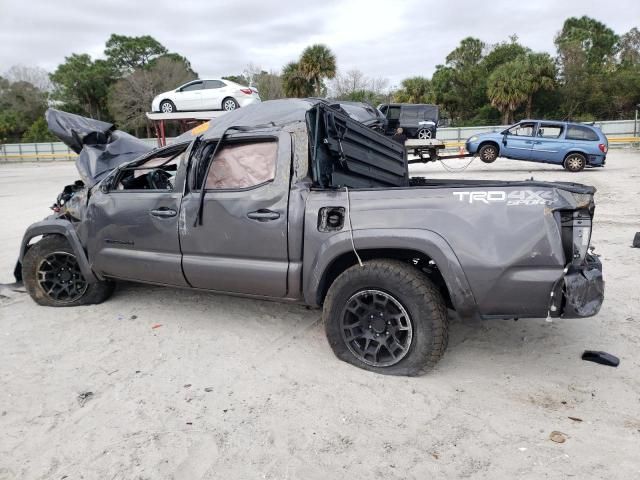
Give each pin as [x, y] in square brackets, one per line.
[100, 147]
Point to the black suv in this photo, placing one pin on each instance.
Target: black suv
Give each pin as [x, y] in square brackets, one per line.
[417, 120]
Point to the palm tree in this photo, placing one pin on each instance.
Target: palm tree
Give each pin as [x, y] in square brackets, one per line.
[317, 63]
[507, 90]
[414, 90]
[294, 82]
[540, 74]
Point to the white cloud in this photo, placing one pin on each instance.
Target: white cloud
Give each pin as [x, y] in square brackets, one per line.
[382, 38]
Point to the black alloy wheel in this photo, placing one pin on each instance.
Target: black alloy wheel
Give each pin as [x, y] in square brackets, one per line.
[376, 328]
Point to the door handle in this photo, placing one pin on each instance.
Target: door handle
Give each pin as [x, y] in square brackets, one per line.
[263, 215]
[163, 212]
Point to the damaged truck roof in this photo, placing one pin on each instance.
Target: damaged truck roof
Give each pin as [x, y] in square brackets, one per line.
[344, 152]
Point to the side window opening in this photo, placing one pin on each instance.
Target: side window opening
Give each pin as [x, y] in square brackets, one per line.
[393, 113]
[239, 166]
[550, 131]
[211, 84]
[156, 173]
[577, 132]
[192, 86]
[410, 113]
[523, 130]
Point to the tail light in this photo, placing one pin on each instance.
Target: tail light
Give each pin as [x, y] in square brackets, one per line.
[576, 235]
[247, 91]
[603, 147]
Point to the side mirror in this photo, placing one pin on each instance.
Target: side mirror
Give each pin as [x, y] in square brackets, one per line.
[504, 137]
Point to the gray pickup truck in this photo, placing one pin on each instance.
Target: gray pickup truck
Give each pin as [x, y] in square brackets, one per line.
[292, 200]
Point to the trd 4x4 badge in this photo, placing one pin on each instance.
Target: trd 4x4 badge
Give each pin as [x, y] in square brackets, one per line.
[515, 197]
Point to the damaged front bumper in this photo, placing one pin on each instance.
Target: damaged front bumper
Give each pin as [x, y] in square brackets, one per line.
[580, 292]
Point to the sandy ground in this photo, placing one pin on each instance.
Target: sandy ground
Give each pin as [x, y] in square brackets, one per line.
[235, 388]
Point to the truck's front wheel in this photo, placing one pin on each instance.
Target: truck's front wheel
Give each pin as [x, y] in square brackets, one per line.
[52, 276]
[387, 317]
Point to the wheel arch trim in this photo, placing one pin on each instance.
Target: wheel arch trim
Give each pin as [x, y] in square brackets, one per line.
[488, 142]
[574, 151]
[427, 242]
[65, 229]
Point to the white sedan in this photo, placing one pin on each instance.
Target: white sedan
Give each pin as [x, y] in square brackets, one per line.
[207, 94]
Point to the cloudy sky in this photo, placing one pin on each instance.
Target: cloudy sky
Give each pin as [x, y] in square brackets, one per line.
[392, 39]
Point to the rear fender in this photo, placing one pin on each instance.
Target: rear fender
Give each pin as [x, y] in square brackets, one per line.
[425, 241]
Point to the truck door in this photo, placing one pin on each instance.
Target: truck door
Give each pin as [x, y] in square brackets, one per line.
[518, 141]
[133, 226]
[190, 97]
[241, 245]
[393, 119]
[549, 144]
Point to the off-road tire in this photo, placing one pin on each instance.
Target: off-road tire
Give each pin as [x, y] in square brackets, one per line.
[575, 162]
[488, 153]
[227, 104]
[170, 107]
[420, 298]
[93, 293]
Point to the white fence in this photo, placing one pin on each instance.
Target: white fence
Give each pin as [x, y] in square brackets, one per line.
[619, 132]
[37, 152]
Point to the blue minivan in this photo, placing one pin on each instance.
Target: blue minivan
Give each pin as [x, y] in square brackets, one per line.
[572, 145]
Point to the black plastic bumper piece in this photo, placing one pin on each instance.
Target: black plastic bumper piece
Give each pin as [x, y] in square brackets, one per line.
[583, 289]
[602, 358]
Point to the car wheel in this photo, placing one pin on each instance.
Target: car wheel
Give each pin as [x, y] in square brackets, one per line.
[52, 276]
[167, 106]
[229, 104]
[575, 162]
[387, 317]
[424, 134]
[488, 153]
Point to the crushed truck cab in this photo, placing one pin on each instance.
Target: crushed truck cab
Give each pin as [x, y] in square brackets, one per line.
[292, 200]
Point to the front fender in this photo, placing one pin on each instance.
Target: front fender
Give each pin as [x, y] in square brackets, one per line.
[425, 241]
[66, 229]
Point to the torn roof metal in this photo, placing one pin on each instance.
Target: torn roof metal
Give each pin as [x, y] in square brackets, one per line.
[100, 147]
[272, 112]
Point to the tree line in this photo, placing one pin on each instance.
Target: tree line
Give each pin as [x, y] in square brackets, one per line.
[595, 74]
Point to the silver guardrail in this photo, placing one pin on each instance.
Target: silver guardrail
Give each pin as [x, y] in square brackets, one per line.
[619, 133]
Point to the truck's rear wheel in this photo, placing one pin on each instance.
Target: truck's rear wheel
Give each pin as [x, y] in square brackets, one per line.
[52, 276]
[386, 317]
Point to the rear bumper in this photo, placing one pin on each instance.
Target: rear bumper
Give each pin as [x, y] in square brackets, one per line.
[244, 101]
[582, 289]
[596, 160]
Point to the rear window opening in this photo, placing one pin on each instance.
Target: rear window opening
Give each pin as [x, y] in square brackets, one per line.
[243, 165]
[237, 165]
[578, 132]
[345, 153]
